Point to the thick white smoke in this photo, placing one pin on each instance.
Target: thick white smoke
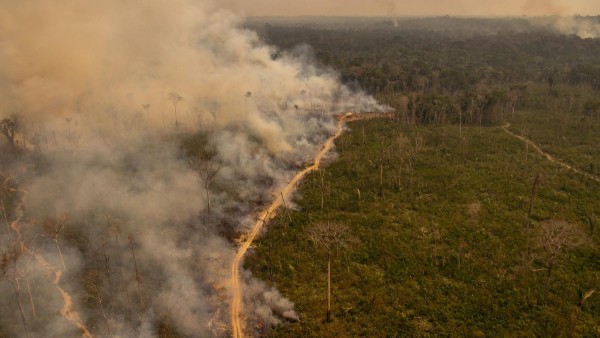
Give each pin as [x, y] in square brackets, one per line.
[105, 91]
[584, 27]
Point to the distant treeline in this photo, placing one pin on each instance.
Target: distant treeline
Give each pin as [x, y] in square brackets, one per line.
[438, 69]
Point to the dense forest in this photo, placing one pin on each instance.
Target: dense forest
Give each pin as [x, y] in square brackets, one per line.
[456, 70]
[460, 215]
[434, 69]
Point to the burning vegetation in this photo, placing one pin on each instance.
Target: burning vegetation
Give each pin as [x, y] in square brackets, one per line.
[138, 141]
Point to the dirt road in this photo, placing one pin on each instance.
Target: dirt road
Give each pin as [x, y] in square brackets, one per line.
[265, 215]
[548, 156]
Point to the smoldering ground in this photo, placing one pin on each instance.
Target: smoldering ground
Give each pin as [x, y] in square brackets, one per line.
[102, 189]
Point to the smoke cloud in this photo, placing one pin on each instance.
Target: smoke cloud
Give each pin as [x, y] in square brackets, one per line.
[105, 205]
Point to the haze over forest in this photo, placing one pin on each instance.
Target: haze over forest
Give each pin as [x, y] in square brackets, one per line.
[200, 168]
[403, 8]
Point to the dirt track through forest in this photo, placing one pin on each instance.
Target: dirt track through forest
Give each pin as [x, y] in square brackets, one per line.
[548, 156]
[264, 216]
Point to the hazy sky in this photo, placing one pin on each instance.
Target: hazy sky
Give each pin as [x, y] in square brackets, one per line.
[414, 7]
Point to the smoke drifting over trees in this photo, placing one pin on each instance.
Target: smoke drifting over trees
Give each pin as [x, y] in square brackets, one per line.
[404, 8]
[577, 17]
[89, 83]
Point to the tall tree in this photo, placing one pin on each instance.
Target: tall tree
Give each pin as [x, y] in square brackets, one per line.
[553, 240]
[175, 99]
[7, 192]
[137, 271]
[8, 128]
[328, 238]
[207, 167]
[13, 273]
[53, 227]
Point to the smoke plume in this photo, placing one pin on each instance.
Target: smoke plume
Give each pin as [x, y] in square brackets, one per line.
[103, 201]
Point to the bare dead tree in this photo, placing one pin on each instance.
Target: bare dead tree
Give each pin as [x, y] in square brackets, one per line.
[553, 239]
[322, 177]
[94, 286]
[402, 152]
[6, 190]
[419, 143]
[12, 273]
[8, 128]
[460, 122]
[137, 271]
[330, 237]
[207, 167]
[175, 99]
[533, 191]
[380, 192]
[287, 210]
[52, 228]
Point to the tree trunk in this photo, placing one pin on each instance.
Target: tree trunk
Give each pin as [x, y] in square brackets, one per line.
[175, 109]
[60, 254]
[380, 177]
[207, 198]
[329, 289]
[105, 318]
[5, 216]
[33, 313]
[107, 265]
[548, 280]
[460, 123]
[322, 189]
[533, 190]
[137, 273]
[16, 286]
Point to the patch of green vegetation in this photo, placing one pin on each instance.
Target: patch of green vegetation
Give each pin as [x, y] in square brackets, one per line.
[565, 122]
[442, 247]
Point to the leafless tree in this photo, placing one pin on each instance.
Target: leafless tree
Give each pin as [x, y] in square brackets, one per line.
[322, 177]
[533, 191]
[137, 271]
[328, 238]
[207, 167]
[553, 239]
[12, 273]
[8, 128]
[6, 190]
[53, 227]
[380, 191]
[419, 143]
[402, 152]
[175, 99]
[94, 286]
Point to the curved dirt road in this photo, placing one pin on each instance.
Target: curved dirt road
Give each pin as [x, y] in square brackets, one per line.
[265, 215]
[548, 156]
